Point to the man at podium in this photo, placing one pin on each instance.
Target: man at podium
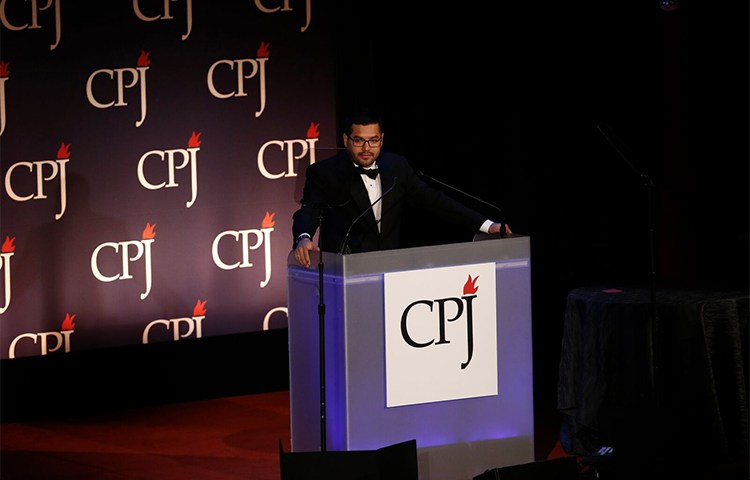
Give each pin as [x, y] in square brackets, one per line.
[356, 198]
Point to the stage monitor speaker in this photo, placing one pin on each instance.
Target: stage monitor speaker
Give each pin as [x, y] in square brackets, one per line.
[395, 462]
[563, 468]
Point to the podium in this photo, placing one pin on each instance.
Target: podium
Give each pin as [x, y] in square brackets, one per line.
[457, 438]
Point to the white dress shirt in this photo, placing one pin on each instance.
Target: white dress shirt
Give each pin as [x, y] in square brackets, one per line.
[374, 191]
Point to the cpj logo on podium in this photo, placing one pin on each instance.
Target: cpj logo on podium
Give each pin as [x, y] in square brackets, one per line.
[440, 334]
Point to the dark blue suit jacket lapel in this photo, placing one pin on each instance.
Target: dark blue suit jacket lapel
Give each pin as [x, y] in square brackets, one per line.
[387, 177]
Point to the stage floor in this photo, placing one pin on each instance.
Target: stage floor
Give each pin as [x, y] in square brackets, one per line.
[228, 438]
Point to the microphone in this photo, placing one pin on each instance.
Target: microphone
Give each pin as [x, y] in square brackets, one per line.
[349, 231]
[644, 176]
[495, 207]
[325, 205]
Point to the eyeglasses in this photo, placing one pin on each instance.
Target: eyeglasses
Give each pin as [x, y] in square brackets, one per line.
[360, 142]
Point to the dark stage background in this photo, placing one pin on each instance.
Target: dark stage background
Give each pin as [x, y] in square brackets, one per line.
[507, 103]
[504, 102]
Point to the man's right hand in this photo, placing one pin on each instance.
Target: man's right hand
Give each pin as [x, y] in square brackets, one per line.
[302, 252]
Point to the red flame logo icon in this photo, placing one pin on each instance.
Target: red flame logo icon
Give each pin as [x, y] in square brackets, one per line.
[68, 323]
[470, 287]
[4, 70]
[8, 245]
[148, 232]
[143, 59]
[268, 220]
[264, 50]
[313, 131]
[63, 151]
[200, 308]
[194, 141]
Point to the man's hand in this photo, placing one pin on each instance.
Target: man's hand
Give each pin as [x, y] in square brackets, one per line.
[498, 228]
[302, 252]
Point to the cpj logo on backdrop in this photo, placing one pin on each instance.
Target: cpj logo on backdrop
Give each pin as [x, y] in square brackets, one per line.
[440, 334]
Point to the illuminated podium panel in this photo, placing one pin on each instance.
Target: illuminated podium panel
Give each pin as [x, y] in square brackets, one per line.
[456, 438]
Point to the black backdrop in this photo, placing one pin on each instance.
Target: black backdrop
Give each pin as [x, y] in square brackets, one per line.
[504, 102]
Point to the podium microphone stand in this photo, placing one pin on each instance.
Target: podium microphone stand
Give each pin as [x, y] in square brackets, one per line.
[655, 378]
[322, 341]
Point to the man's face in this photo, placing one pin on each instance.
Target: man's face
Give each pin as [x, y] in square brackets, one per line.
[371, 141]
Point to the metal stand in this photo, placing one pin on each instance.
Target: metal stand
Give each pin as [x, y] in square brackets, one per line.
[322, 339]
[654, 344]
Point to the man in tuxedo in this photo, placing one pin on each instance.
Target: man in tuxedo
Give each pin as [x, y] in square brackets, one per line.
[357, 197]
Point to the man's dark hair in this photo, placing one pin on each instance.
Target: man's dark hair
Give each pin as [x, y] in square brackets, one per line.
[362, 117]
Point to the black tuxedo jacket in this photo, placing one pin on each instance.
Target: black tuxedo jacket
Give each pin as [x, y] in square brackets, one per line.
[334, 191]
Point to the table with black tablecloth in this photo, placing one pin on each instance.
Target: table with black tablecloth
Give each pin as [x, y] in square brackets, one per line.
[667, 376]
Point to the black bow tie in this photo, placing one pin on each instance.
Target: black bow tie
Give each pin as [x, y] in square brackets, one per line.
[372, 172]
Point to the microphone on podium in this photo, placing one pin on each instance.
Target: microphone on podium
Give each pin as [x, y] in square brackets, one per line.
[344, 246]
[325, 205]
[495, 207]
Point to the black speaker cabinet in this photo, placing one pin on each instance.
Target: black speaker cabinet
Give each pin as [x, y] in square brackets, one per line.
[563, 468]
[395, 462]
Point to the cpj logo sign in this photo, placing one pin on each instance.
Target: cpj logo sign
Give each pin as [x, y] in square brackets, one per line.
[441, 334]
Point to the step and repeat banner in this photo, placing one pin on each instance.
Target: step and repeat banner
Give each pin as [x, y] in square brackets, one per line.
[152, 155]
